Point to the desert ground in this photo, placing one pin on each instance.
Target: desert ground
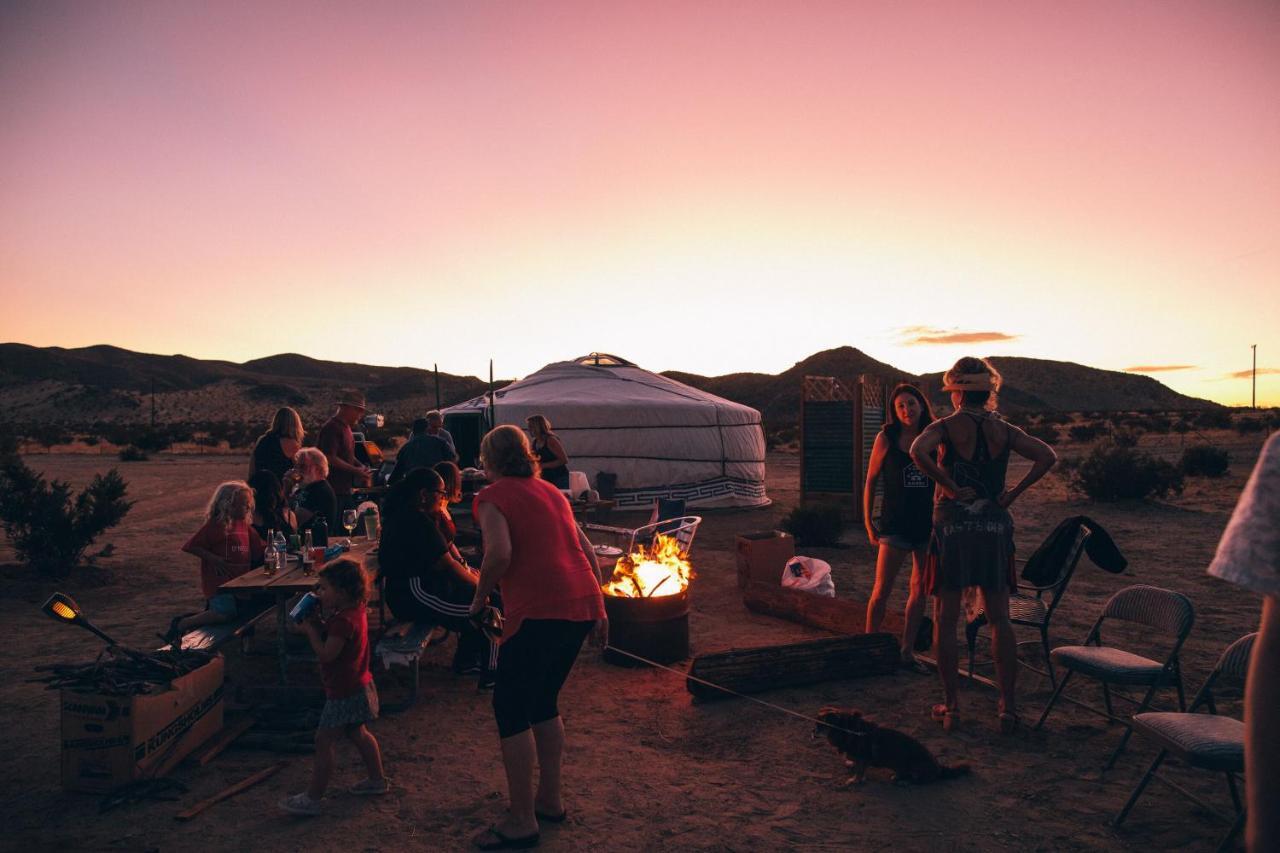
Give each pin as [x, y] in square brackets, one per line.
[646, 768]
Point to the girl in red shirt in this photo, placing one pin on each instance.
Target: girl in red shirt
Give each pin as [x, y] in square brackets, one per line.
[227, 546]
[341, 643]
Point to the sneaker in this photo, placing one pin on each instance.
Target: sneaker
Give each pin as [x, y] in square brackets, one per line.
[300, 804]
[487, 681]
[468, 669]
[370, 788]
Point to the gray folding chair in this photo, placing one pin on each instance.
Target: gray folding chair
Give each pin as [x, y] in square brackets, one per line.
[1204, 741]
[1149, 606]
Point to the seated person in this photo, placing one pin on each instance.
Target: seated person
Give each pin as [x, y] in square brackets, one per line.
[314, 495]
[227, 547]
[270, 509]
[424, 581]
[452, 478]
[422, 450]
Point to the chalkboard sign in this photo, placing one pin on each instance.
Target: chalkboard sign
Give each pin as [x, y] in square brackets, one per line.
[828, 462]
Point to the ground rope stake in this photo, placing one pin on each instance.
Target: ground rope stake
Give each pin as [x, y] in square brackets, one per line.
[732, 693]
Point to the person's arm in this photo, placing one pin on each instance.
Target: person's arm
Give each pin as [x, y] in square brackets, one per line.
[562, 458]
[1261, 722]
[497, 552]
[589, 551]
[330, 445]
[1041, 455]
[326, 649]
[878, 450]
[924, 452]
[456, 566]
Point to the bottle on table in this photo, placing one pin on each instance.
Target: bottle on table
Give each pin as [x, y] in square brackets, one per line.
[282, 551]
[320, 530]
[269, 560]
[308, 558]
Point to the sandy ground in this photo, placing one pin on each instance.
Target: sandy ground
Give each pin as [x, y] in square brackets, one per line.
[646, 768]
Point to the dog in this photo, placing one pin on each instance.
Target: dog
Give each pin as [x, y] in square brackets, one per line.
[866, 744]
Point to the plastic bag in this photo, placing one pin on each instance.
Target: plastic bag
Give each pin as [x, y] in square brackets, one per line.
[809, 575]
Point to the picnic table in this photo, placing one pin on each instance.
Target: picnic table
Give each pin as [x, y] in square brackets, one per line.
[289, 582]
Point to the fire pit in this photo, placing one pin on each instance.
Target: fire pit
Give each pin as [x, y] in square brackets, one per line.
[647, 602]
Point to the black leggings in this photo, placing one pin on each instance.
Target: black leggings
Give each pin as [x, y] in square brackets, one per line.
[532, 667]
[446, 605]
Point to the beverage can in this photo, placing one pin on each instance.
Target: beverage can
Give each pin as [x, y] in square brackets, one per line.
[304, 608]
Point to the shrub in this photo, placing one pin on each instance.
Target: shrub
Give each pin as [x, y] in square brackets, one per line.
[1048, 433]
[1113, 472]
[1204, 460]
[133, 453]
[49, 530]
[815, 524]
[1181, 427]
[1084, 433]
[1245, 426]
[1056, 418]
[1124, 437]
[1214, 419]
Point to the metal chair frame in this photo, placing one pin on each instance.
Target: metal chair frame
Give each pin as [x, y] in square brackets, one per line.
[1170, 672]
[1234, 663]
[1054, 591]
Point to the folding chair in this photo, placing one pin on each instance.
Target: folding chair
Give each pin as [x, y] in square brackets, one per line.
[1035, 610]
[1152, 607]
[1204, 741]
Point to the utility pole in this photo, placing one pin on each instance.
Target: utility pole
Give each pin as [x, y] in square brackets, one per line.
[1254, 347]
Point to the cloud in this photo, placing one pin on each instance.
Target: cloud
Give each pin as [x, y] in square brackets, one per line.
[1248, 374]
[916, 335]
[1158, 368]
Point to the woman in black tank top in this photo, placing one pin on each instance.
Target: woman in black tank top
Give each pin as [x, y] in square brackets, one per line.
[906, 514]
[551, 455]
[972, 543]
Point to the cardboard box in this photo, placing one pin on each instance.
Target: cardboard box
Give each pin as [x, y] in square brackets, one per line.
[110, 740]
[762, 555]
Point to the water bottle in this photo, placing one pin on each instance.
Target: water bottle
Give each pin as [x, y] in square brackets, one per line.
[282, 551]
[320, 530]
[269, 562]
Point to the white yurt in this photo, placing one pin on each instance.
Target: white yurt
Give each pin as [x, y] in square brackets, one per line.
[659, 437]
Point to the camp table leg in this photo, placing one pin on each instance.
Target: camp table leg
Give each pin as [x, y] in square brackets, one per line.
[282, 645]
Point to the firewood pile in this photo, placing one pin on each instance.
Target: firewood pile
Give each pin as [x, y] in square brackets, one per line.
[123, 672]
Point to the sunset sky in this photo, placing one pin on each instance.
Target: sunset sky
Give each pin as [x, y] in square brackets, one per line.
[703, 186]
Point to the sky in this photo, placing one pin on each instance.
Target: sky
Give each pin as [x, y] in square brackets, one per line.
[712, 187]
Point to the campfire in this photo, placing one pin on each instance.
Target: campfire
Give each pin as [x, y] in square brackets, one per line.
[653, 572]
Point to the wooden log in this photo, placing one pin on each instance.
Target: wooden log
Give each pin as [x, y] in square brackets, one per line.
[793, 664]
[243, 785]
[839, 615]
[223, 739]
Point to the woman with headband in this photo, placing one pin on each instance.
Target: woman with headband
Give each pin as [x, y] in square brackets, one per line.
[972, 543]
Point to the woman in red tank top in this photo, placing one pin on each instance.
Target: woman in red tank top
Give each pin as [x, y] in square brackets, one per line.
[551, 599]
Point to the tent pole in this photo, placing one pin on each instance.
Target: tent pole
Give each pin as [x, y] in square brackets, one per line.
[436, 369]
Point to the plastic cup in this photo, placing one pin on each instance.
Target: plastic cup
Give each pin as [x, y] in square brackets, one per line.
[371, 526]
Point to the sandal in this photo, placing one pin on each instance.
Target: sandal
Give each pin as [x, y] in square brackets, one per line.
[914, 664]
[949, 717]
[1010, 722]
[504, 842]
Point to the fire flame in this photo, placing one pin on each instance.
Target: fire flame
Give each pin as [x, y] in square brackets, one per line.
[661, 569]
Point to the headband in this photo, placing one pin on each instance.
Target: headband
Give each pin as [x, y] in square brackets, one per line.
[969, 382]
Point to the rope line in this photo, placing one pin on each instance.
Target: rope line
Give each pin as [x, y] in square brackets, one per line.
[732, 693]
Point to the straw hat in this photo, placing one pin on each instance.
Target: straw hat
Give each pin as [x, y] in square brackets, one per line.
[351, 398]
[970, 382]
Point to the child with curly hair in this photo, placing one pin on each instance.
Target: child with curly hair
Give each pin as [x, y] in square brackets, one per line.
[339, 636]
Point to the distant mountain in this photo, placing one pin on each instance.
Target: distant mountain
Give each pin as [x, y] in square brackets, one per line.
[103, 383]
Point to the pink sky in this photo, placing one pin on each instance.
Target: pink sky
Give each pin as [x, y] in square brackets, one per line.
[712, 187]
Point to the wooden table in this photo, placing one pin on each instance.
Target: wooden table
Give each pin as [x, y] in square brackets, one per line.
[292, 581]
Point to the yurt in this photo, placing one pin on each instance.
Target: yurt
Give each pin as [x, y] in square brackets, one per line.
[658, 437]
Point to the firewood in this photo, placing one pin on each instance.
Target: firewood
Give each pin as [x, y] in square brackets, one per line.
[223, 739]
[226, 793]
[793, 664]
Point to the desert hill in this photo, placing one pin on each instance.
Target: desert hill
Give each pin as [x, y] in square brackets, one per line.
[109, 384]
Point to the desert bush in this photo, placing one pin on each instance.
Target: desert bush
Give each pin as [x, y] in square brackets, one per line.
[133, 453]
[1247, 426]
[1204, 460]
[1084, 432]
[1214, 419]
[1181, 427]
[48, 528]
[815, 524]
[1048, 433]
[1056, 418]
[1113, 472]
[1124, 436]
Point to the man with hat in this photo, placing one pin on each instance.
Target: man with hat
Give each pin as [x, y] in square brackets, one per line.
[339, 447]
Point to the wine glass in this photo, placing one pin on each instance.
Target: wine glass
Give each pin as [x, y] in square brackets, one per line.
[349, 522]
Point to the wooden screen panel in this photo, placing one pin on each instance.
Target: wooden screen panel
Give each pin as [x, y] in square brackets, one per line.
[828, 453]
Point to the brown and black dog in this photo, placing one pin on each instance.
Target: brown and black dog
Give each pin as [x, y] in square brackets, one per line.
[866, 744]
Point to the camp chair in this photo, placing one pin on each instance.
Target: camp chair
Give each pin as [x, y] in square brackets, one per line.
[1159, 609]
[1205, 741]
[1035, 610]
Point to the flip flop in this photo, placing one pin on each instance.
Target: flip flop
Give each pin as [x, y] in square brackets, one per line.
[506, 842]
[551, 818]
[1009, 722]
[949, 717]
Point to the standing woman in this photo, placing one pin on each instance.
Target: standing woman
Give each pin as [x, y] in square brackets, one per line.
[550, 452]
[972, 541]
[551, 595]
[275, 448]
[906, 518]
